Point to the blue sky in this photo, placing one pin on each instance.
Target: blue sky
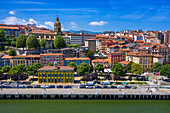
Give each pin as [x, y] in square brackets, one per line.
[93, 15]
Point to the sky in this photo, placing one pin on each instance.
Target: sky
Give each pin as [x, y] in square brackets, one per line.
[91, 15]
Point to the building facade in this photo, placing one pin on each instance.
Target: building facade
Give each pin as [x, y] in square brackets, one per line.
[56, 74]
[91, 44]
[11, 31]
[32, 59]
[77, 61]
[114, 57]
[6, 60]
[105, 63]
[51, 58]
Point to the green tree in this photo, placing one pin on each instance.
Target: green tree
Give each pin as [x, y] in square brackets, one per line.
[6, 69]
[1, 72]
[83, 69]
[50, 64]
[90, 54]
[136, 68]
[73, 64]
[129, 65]
[21, 67]
[165, 70]
[31, 70]
[99, 68]
[59, 42]
[114, 65]
[118, 69]
[156, 67]
[2, 35]
[21, 41]
[38, 65]
[12, 52]
[42, 43]
[32, 42]
[15, 70]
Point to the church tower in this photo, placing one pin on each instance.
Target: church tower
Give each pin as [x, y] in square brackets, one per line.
[57, 26]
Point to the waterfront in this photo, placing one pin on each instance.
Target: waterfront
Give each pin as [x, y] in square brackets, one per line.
[84, 106]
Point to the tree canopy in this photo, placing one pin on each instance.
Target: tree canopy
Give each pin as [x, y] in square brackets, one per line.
[12, 52]
[90, 54]
[83, 69]
[21, 41]
[42, 43]
[165, 70]
[50, 64]
[118, 69]
[99, 68]
[21, 67]
[73, 64]
[2, 35]
[31, 70]
[15, 70]
[6, 69]
[38, 65]
[156, 67]
[129, 65]
[136, 68]
[32, 42]
[59, 42]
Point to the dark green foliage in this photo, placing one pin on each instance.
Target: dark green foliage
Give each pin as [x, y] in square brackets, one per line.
[59, 42]
[136, 68]
[42, 43]
[83, 69]
[21, 67]
[2, 35]
[156, 67]
[90, 54]
[32, 42]
[129, 65]
[21, 41]
[73, 45]
[15, 70]
[165, 70]
[73, 64]
[31, 70]
[38, 65]
[99, 68]
[6, 69]
[118, 69]
[114, 65]
[50, 64]
[12, 52]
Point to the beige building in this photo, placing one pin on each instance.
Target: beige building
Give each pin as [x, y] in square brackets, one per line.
[91, 44]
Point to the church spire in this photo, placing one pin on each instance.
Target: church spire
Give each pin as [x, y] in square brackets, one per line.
[57, 19]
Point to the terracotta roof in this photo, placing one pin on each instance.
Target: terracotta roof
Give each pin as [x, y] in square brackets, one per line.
[75, 58]
[159, 56]
[124, 62]
[51, 54]
[101, 36]
[7, 27]
[7, 56]
[59, 67]
[113, 53]
[125, 50]
[143, 54]
[121, 46]
[19, 56]
[100, 60]
[90, 39]
[139, 41]
[33, 56]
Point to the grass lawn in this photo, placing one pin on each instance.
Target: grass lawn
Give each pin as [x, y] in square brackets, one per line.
[84, 106]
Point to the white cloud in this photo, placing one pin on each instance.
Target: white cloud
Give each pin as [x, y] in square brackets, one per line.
[28, 2]
[73, 25]
[51, 24]
[12, 12]
[32, 21]
[98, 23]
[14, 20]
[40, 25]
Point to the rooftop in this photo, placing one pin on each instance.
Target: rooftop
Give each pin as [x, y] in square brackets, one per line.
[53, 67]
[51, 54]
[75, 58]
[100, 60]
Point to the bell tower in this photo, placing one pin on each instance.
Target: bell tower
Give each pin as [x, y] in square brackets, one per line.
[57, 26]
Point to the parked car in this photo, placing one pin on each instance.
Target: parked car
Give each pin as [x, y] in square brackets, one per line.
[0, 83]
[21, 86]
[82, 86]
[106, 87]
[68, 86]
[2, 86]
[44, 86]
[90, 83]
[98, 87]
[37, 86]
[7, 83]
[27, 83]
[105, 82]
[134, 87]
[7, 87]
[89, 87]
[128, 87]
[21, 83]
[120, 87]
[51, 86]
[113, 87]
[29, 86]
[59, 86]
